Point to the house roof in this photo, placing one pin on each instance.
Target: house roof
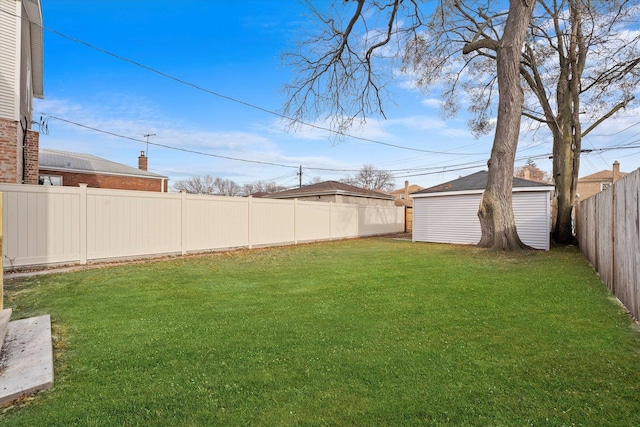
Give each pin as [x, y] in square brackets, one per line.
[404, 202]
[478, 182]
[66, 161]
[329, 188]
[602, 176]
[34, 15]
[412, 189]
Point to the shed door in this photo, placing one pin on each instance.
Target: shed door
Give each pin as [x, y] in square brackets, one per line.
[532, 213]
[447, 219]
[454, 219]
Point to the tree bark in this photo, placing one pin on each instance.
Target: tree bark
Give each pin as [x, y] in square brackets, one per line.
[496, 212]
[568, 141]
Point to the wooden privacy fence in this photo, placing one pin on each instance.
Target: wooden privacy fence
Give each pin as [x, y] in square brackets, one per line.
[608, 231]
[56, 225]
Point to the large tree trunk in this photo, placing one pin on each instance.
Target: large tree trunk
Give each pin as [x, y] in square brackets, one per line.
[563, 159]
[496, 212]
[568, 139]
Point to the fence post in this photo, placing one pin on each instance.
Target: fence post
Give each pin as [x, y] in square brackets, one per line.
[295, 219]
[82, 215]
[613, 237]
[183, 222]
[249, 199]
[330, 220]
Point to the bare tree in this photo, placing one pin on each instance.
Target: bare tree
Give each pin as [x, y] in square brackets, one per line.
[531, 171]
[208, 185]
[371, 178]
[262, 187]
[314, 180]
[339, 72]
[581, 58]
[227, 187]
[496, 212]
[579, 65]
[196, 185]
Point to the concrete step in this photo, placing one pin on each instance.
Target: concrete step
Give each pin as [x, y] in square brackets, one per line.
[5, 315]
[26, 359]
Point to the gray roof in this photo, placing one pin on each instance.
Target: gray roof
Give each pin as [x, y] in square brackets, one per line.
[66, 161]
[478, 181]
[329, 188]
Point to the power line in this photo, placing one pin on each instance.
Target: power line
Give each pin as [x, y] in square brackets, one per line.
[202, 153]
[186, 150]
[236, 100]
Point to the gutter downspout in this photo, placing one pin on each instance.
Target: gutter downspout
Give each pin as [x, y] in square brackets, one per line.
[24, 148]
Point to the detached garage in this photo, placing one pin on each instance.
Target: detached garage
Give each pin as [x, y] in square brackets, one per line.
[448, 213]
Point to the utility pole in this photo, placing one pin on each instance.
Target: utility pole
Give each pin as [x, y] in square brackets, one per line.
[300, 177]
[147, 135]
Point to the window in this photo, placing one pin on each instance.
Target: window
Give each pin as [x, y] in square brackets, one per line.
[605, 185]
[55, 180]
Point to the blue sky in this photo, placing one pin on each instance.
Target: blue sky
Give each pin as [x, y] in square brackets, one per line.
[234, 49]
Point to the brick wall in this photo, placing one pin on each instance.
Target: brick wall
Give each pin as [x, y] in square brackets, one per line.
[71, 179]
[31, 169]
[11, 154]
[588, 189]
[9, 151]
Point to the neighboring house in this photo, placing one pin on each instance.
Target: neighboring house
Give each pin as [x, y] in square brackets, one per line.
[21, 79]
[71, 169]
[337, 192]
[594, 183]
[448, 213]
[403, 199]
[402, 194]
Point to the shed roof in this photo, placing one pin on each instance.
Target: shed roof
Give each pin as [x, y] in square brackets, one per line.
[478, 182]
[66, 161]
[329, 188]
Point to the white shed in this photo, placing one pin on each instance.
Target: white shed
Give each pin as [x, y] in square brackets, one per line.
[448, 213]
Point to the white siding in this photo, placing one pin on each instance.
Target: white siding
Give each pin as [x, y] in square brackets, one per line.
[533, 218]
[447, 219]
[453, 218]
[9, 55]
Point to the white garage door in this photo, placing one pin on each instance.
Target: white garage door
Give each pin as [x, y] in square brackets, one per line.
[454, 218]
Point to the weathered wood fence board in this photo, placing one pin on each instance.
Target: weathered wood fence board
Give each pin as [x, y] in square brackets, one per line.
[608, 231]
[56, 225]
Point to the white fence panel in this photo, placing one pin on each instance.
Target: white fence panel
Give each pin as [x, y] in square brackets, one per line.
[374, 220]
[344, 220]
[54, 225]
[213, 222]
[271, 222]
[41, 225]
[313, 221]
[124, 223]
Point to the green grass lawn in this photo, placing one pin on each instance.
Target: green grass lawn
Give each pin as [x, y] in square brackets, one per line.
[358, 332]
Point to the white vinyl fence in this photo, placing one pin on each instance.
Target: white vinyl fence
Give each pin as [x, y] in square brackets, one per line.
[67, 225]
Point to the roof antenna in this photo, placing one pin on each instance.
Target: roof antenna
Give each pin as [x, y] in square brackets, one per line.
[147, 135]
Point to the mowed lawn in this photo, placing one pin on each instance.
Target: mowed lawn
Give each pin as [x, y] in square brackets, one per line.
[369, 332]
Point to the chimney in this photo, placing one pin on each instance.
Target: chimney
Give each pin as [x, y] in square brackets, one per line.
[527, 173]
[616, 171]
[142, 161]
[406, 190]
